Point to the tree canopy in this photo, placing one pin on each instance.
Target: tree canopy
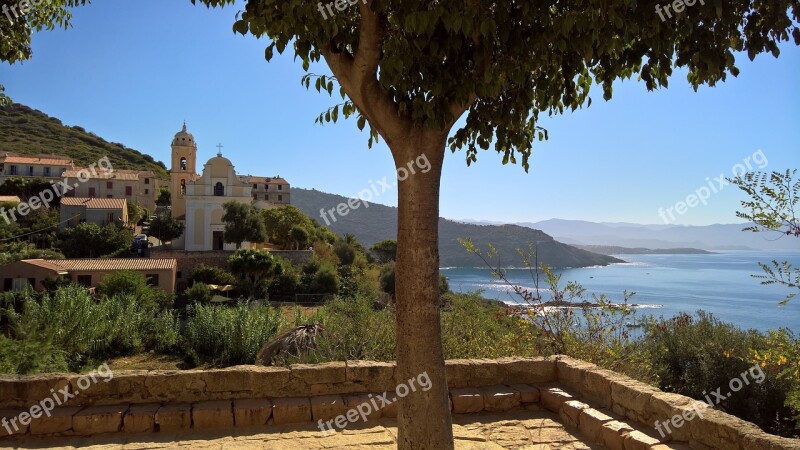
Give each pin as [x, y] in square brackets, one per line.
[242, 223]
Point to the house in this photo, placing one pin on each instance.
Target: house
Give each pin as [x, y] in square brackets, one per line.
[16, 276]
[101, 211]
[12, 199]
[136, 186]
[49, 167]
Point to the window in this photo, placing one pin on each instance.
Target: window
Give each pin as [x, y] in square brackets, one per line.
[19, 284]
[178, 274]
[152, 279]
[266, 197]
[183, 163]
[30, 170]
[147, 181]
[280, 198]
[8, 284]
[128, 191]
[255, 186]
[109, 185]
[12, 170]
[219, 190]
[32, 282]
[183, 187]
[146, 191]
[47, 171]
[280, 187]
[92, 192]
[85, 280]
[255, 195]
[266, 186]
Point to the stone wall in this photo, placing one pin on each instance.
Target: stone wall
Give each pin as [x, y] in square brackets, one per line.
[604, 406]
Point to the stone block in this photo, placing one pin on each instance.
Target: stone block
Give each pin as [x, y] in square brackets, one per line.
[252, 412]
[636, 440]
[373, 375]
[327, 407]
[291, 410]
[571, 411]
[613, 434]
[527, 370]
[140, 418]
[94, 420]
[527, 393]
[12, 426]
[552, 398]
[60, 421]
[332, 372]
[500, 398]
[591, 423]
[364, 405]
[212, 415]
[466, 400]
[174, 417]
[471, 373]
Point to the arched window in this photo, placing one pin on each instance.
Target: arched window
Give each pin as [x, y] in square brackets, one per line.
[183, 163]
[219, 190]
[183, 187]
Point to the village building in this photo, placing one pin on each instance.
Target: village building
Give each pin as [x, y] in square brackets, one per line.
[197, 199]
[16, 276]
[136, 186]
[100, 211]
[49, 167]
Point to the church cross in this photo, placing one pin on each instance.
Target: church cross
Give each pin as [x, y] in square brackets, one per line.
[219, 147]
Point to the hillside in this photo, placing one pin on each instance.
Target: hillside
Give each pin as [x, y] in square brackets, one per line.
[709, 237]
[613, 250]
[27, 131]
[379, 222]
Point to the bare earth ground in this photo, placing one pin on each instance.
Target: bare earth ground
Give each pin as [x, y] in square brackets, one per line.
[522, 429]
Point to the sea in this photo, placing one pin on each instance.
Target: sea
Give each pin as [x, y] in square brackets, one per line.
[665, 285]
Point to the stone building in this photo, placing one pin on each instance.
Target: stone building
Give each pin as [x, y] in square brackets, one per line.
[135, 186]
[197, 199]
[49, 167]
[100, 211]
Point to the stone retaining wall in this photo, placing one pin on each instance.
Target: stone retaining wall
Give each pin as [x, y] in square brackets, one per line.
[612, 402]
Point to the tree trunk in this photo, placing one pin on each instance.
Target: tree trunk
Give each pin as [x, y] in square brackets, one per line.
[424, 420]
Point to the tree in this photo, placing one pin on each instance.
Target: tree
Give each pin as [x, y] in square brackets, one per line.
[254, 268]
[384, 251]
[165, 228]
[345, 252]
[128, 282]
[773, 207]
[210, 275]
[280, 222]
[135, 212]
[299, 235]
[243, 223]
[164, 196]
[15, 35]
[412, 69]
[88, 240]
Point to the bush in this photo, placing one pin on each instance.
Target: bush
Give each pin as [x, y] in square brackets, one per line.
[325, 281]
[695, 355]
[211, 275]
[231, 335]
[199, 293]
[127, 282]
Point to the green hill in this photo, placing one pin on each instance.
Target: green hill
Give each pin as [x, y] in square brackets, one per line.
[27, 131]
[379, 222]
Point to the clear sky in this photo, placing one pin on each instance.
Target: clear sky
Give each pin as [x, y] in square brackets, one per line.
[132, 71]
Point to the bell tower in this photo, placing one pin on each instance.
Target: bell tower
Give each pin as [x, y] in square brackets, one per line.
[183, 170]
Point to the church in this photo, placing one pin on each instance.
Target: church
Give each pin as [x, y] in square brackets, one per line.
[197, 199]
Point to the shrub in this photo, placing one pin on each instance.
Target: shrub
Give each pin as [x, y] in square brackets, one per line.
[199, 293]
[695, 355]
[231, 335]
[211, 275]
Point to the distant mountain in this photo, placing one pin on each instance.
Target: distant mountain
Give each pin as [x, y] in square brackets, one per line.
[379, 222]
[612, 250]
[710, 237]
[28, 131]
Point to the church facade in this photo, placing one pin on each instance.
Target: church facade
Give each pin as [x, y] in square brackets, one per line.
[197, 199]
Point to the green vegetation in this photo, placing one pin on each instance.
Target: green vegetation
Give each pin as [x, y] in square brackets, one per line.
[165, 228]
[88, 240]
[27, 131]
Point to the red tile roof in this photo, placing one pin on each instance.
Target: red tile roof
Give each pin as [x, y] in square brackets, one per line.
[50, 160]
[122, 175]
[111, 264]
[270, 180]
[95, 203]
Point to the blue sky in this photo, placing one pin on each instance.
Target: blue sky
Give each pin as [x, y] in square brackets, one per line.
[132, 71]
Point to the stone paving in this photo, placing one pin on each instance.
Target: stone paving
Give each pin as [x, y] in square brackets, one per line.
[530, 429]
